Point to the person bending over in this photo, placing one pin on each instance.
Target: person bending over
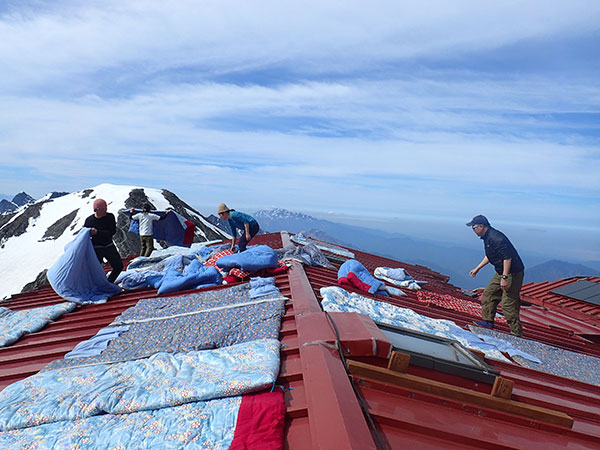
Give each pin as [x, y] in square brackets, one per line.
[247, 225]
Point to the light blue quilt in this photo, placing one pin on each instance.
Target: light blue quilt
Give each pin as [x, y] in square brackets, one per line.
[128, 403]
[339, 300]
[14, 324]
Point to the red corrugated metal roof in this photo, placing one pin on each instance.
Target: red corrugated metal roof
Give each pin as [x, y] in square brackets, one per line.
[540, 294]
[324, 407]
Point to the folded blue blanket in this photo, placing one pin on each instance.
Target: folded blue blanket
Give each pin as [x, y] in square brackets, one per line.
[254, 259]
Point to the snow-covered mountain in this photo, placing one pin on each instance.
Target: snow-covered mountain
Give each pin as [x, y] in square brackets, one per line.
[21, 199]
[33, 237]
[284, 215]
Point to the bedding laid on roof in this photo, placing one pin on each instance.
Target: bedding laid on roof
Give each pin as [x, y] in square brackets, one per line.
[251, 260]
[553, 360]
[241, 422]
[456, 304]
[336, 250]
[195, 275]
[338, 300]
[161, 380]
[148, 387]
[306, 254]
[352, 274]
[398, 277]
[14, 324]
[197, 269]
[170, 272]
[78, 398]
[204, 320]
[78, 276]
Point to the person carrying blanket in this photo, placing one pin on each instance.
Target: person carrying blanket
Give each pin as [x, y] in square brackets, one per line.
[103, 227]
[247, 225]
[146, 220]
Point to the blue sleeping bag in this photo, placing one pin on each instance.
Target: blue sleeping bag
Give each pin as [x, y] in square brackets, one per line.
[363, 275]
[195, 275]
[251, 260]
[78, 276]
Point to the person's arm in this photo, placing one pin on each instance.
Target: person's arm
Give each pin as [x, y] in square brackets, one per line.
[89, 224]
[247, 230]
[482, 264]
[233, 233]
[505, 272]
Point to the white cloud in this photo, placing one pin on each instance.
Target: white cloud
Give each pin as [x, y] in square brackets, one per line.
[303, 104]
[47, 46]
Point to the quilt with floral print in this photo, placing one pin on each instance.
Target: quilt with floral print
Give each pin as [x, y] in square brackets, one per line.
[14, 324]
[338, 300]
[204, 320]
[164, 401]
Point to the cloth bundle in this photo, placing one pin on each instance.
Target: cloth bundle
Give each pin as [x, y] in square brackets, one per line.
[352, 274]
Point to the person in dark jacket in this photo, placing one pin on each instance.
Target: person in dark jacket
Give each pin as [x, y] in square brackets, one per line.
[103, 227]
[505, 286]
[247, 225]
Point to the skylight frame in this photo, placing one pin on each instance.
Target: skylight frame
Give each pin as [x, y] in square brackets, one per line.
[463, 362]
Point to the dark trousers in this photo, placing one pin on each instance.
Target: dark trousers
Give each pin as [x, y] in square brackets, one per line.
[147, 245]
[243, 242]
[114, 259]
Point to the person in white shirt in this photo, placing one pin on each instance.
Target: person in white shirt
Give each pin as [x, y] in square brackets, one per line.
[146, 220]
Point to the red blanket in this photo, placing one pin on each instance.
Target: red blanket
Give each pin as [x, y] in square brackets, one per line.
[260, 423]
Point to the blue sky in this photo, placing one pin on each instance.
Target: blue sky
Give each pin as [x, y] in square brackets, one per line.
[433, 109]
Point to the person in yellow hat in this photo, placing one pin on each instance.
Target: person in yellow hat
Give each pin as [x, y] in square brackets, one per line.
[247, 225]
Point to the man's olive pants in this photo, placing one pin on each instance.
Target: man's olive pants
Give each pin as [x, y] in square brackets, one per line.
[509, 300]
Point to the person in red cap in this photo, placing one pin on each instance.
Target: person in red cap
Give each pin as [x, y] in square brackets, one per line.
[505, 286]
[103, 227]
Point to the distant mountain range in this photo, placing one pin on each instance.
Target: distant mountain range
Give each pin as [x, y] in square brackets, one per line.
[556, 270]
[21, 199]
[450, 260]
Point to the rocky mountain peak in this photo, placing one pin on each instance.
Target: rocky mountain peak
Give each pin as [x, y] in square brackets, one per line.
[22, 199]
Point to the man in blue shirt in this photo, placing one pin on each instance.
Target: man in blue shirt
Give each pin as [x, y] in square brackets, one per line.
[247, 225]
[505, 285]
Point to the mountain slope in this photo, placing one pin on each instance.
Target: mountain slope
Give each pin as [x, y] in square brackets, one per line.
[33, 237]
